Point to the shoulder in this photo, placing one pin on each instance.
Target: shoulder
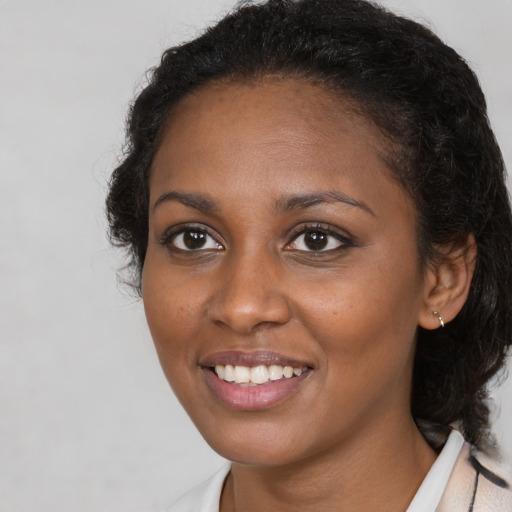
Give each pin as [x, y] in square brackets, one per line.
[478, 483]
[203, 498]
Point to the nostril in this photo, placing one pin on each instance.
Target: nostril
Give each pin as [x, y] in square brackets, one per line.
[245, 311]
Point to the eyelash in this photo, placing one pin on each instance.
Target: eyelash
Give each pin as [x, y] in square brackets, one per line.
[169, 237]
[345, 241]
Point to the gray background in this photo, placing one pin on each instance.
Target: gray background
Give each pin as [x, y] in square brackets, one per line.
[87, 421]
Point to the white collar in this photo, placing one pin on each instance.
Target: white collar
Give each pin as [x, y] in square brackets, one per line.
[431, 490]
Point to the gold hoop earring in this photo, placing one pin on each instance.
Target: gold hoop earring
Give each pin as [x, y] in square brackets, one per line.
[440, 318]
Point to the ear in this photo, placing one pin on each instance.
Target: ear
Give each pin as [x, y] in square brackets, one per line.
[447, 283]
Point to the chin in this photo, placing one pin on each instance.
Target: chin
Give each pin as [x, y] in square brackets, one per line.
[257, 445]
[256, 454]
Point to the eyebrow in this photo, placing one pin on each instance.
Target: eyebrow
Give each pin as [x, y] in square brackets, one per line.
[193, 200]
[303, 201]
[285, 204]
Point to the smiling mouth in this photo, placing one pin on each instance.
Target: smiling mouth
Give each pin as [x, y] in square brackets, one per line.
[256, 375]
[253, 381]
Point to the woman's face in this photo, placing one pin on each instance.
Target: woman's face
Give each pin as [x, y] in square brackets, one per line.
[279, 243]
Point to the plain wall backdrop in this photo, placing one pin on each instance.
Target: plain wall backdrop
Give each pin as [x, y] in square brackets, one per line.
[87, 421]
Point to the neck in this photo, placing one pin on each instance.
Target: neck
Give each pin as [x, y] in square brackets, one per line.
[372, 471]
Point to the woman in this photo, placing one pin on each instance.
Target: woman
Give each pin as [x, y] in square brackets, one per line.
[320, 231]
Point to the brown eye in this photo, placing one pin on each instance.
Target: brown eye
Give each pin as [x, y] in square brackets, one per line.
[315, 240]
[194, 239]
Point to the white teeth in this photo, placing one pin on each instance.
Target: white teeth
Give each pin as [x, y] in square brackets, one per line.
[229, 373]
[288, 371]
[245, 375]
[259, 374]
[275, 372]
[242, 374]
[220, 371]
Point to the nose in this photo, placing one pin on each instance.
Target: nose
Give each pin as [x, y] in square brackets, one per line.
[251, 295]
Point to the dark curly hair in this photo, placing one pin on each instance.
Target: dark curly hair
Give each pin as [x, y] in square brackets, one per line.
[428, 105]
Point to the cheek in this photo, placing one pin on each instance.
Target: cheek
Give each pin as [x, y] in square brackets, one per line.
[367, 314]
[175, 313]
[169, 326]
[367, 353]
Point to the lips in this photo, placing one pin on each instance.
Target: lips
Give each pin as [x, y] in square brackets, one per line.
[252, 381]
[251, 359]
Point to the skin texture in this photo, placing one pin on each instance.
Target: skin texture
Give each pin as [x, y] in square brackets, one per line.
[344, 439]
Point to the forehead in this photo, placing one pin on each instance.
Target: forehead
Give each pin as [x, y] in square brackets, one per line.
[291, 133]
[295, 109]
